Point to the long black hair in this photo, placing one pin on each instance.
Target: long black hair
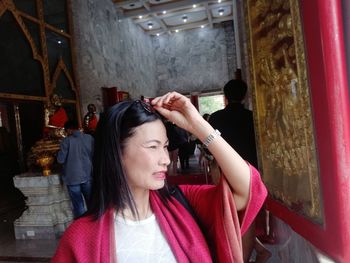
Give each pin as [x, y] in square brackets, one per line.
[110, 188]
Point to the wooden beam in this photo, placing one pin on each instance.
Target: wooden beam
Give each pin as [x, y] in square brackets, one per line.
[190, 25]
[210, 18]
[155, 17]
[161, 7]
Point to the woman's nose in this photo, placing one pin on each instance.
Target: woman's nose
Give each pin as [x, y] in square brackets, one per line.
[165, 159]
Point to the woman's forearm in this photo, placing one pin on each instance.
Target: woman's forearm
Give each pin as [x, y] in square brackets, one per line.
[235, 169]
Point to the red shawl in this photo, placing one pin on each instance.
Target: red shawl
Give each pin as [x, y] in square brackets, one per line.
[93, 241]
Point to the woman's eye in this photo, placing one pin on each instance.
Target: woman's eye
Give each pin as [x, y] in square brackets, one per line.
[153, 147]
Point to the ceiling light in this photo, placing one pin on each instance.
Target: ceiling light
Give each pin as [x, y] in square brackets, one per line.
[202, 26]
[59, 42]
[194, 6]
[140, 17]
[158, 34]
[150, 25]
[221, 11]
[176, 30]
[219, 1]
[164, 12]
[184, 18]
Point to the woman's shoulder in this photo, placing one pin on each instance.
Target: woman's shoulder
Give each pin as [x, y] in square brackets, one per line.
[84, 225]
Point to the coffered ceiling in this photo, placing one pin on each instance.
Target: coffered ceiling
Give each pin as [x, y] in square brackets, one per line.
[168, 16]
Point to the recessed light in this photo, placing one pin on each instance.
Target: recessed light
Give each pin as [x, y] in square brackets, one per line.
[158, 34]
[221, 11]
[184, 18]
[59, 42]
[164, 12]
[219, 1]
[140, 17]
[150, 25]
[176, 30]
[194, 6]
[202, 26]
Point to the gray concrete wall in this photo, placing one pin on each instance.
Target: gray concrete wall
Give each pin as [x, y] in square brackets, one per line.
[110, 53]
[192, 60]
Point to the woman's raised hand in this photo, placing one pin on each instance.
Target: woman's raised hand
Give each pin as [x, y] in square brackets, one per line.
[178, 109]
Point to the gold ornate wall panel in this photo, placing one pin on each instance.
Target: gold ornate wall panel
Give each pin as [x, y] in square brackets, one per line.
[53, 51]
[282, 107]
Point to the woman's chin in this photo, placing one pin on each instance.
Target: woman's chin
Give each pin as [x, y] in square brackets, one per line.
[158, 185]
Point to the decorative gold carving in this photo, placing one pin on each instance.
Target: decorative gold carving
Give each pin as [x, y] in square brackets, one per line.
[61, 67]
[45, 163]
[10, 6]
[287, 151]
[45, 147]
[21, 97]
[43, 154]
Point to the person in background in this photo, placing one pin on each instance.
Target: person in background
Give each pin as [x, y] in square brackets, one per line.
[176, 139]
[206, 116]
[76, 156]
[133, 215]
[90, 120]
[236, 122]
[237, 127]
[204, 153]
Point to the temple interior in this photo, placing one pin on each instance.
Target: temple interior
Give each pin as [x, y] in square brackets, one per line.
[68, 55]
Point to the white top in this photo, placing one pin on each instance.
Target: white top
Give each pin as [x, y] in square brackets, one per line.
[141, 241]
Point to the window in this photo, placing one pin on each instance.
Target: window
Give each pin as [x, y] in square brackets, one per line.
[211, 102]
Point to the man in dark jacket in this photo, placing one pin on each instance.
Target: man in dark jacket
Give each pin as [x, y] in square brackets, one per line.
[76, 156]
[235, 122]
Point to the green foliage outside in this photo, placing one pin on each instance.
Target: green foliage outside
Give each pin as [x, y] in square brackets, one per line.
[210, 104]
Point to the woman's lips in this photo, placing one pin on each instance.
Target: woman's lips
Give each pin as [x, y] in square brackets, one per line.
[160, 175]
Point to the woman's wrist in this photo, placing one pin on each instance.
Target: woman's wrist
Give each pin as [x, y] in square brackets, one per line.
[211, 137]
[202, 129]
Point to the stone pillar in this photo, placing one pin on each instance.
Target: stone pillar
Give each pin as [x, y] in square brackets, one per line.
[49, 208]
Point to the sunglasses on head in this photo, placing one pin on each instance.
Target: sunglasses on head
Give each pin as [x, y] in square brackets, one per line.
[145, 105]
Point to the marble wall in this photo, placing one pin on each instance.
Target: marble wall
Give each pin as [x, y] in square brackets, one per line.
[230, 49]
[192, 60]
[110, 52]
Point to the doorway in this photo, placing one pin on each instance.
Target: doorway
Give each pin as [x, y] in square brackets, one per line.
[21, 125]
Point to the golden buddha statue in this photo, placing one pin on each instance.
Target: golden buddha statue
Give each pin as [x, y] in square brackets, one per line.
[55, 118]
[43, 153]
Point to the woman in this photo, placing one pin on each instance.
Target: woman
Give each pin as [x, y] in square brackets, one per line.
[133, 218]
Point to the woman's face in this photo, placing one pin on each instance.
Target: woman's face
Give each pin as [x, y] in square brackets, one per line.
[146, 157]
